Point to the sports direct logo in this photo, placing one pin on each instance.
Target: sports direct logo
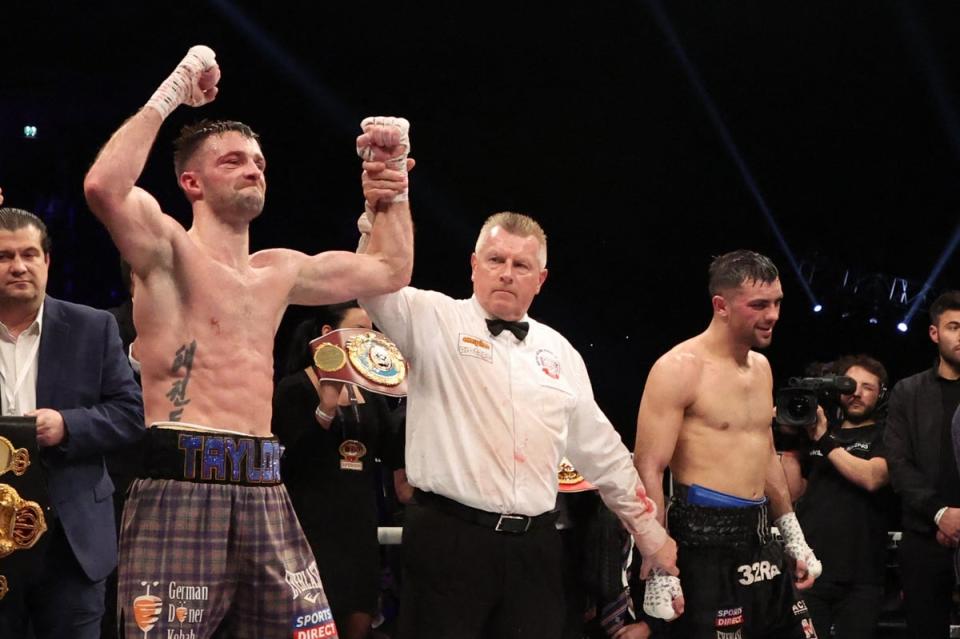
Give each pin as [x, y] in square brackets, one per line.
[316, 625]
[728, 617]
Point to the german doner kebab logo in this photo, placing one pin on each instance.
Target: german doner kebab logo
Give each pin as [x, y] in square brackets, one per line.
[377, 358]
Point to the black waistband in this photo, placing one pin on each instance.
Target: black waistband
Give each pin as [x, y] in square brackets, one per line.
[210, 457]
[695, 525]
[495, 521]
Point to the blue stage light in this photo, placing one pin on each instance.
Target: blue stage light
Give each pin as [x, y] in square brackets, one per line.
[30, 131]
[726, 137]
[817, 308]
[902, 327]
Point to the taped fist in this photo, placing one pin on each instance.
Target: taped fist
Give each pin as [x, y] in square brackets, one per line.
[385, 139]
[384, 146]
[795, 545]
[663, 597]
[193, 82]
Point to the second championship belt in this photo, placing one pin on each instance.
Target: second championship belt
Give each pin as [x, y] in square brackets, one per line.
[23, 502]
[363, 357]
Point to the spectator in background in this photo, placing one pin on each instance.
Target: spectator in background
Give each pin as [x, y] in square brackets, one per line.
[598, 562]
[63, 364]
[335, 499]
[924, 473]
[842, 508]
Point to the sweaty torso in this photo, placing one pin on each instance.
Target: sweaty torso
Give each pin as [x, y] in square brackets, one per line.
[205, 334]
[724, 442]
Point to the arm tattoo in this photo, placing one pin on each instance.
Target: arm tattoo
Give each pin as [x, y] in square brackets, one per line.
[178, 392]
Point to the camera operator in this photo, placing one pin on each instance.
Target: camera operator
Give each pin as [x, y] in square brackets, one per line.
[842, 510]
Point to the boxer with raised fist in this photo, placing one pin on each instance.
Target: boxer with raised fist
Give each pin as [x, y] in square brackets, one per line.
[209, 526]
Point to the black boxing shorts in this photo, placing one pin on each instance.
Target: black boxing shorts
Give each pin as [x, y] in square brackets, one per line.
[737, 583]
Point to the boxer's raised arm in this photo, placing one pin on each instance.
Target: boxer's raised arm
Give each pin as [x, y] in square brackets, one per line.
[384, 262]
[131, 215]
[385, 267]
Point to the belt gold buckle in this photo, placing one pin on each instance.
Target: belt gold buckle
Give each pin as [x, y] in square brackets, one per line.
[21, 521]
[376, 363]
[512, 518]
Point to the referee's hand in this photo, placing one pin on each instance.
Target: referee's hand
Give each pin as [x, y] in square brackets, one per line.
[665, 559]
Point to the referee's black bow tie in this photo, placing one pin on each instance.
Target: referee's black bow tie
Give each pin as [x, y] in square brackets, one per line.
[519, 329]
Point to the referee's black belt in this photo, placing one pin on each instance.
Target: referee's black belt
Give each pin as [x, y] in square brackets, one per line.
[517, 524]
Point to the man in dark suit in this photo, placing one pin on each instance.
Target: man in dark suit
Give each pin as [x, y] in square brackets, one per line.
[924, 474]
[63, 364]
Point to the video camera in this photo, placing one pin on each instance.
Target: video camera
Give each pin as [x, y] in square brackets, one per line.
[797, 403]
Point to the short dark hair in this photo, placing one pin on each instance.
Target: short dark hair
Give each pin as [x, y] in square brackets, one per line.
[15, 219]
[299, 355]
[865, 362]
[948, 301]
[731, 270]
[192, 136]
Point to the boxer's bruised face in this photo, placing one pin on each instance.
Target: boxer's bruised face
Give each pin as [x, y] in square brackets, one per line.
[227, 172]
[506, 274]
[751, 310]
[859, 405]
[946, 335]
[24, 266]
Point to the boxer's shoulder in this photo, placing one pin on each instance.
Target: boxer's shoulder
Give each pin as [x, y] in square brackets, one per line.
[758, 359]
[686, 359]
[277, 257]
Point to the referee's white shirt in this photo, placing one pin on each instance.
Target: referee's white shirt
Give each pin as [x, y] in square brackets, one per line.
[488, 418]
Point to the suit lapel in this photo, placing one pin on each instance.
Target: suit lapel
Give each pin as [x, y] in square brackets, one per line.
[934, 435]
[54, 340]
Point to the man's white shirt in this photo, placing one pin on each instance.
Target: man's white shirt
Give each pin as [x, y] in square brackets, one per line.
[489, 418]
[19, 357]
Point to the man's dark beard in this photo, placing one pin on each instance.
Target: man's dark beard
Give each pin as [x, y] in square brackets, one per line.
[860, 419]
[950, 359]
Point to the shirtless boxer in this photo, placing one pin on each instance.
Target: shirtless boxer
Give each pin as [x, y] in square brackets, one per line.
[706, 413]
[210, 542]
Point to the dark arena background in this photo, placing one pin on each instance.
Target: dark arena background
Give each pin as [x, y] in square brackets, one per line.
[647, 137]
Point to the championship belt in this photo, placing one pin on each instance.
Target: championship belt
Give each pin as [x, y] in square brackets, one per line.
[362, 357]
[23, 501]
[571, 481]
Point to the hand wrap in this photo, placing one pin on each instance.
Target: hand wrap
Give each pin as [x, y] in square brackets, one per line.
[661, 590]
[371, 146]
[183, 85]
[795, 544]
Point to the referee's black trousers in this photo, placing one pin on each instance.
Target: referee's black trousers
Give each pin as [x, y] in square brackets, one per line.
[462, 580]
